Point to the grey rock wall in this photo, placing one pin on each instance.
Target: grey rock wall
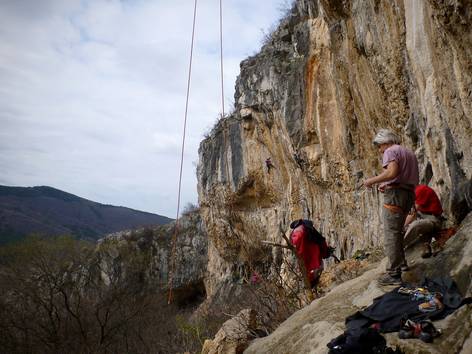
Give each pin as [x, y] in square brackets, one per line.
[154, 246]
[312, 99]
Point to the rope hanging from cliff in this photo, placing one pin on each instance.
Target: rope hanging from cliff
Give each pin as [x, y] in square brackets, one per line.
[174, 237]
[221, 61]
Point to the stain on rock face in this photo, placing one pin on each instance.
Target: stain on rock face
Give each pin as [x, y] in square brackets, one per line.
[332, 74]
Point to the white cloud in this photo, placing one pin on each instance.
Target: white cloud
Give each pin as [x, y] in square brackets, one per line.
[92, 93]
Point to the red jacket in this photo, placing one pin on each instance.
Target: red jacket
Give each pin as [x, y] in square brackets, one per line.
[427, 200]
[311, 252]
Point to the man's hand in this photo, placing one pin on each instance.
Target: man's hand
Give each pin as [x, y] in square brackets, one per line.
[409, 219]
[389, 173]
[368, 183]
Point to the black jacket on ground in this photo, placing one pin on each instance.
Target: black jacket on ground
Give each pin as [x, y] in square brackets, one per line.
[386, 313]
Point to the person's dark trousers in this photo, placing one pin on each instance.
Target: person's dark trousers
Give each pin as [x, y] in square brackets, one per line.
[393, 220]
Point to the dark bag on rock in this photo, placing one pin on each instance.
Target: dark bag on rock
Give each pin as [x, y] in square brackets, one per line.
[362, 340]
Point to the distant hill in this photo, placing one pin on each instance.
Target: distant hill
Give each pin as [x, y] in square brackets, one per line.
[49, 211]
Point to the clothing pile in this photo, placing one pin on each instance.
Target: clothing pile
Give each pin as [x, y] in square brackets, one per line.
[408, 309]
[432, 301]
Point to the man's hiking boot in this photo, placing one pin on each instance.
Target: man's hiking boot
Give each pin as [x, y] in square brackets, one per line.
[423, 330]
[436, 248]
[388, 279]
[409, 329]
[428, 331]
[426, 250]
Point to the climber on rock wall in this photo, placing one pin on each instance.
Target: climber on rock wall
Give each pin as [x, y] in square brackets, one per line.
[269, 164]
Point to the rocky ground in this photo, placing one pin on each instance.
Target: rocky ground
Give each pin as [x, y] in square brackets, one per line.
[310, 329]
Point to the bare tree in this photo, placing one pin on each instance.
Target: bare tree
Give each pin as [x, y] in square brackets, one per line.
[62, 295]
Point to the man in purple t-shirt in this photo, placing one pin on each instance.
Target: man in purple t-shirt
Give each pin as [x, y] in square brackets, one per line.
[397, 181]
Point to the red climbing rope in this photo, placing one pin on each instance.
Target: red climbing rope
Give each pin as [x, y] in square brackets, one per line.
[174, 237]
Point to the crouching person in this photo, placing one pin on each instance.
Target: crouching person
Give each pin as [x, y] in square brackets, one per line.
[311, 247]
[424, 220]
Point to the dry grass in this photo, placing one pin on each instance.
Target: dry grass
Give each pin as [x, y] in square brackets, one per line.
[348, 269]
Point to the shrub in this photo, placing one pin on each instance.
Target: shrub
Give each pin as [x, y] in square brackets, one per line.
[61, 295]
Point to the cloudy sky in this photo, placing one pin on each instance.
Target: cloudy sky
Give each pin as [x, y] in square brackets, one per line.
[92, 92]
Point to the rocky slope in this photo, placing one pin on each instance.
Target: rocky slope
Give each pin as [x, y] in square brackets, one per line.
[312, 99]
[309, 330]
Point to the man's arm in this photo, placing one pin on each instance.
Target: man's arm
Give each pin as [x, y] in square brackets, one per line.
[388, 174]
[410, 218]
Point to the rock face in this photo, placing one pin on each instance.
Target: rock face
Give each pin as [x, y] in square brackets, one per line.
[331, 75]
[154, 246]
[310, 329]
[234, 335]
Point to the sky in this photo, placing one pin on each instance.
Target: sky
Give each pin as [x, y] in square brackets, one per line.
[92, 92]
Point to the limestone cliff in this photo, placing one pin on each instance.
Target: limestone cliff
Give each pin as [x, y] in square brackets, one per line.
[154, 247]
[312, 99]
